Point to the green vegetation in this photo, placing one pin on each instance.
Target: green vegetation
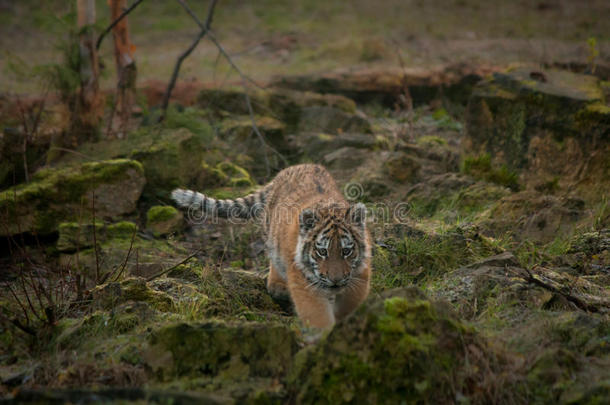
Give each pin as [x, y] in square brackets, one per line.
[421, 258]
[480, 167]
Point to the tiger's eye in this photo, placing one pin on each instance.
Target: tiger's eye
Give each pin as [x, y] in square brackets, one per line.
[347, 252]
[322, 252]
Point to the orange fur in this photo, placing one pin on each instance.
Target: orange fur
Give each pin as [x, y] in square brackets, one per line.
[317, 243]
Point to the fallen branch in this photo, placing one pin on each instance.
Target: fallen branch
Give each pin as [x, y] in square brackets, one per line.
[204, 30]
[186, 259]
[556, 287]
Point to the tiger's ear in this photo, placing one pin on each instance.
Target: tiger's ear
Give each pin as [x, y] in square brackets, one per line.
[307, 220]
[357, 214]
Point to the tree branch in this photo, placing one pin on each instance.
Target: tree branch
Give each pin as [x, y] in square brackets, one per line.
[204, 30]
[186, 259]
[245, 79]
[115, 22]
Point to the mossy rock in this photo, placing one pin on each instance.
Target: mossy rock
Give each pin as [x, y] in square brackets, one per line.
[397, 348]
[331, 120]
[111, 294]
[238, 132]
[233, 175]
[233, 100]
[540, 122]
[289, 104]
[480, 167]
[285, 104]
[171, 160]
[346, 158]
[400, 167]
[386, 85]
[229, 351]
[312, 146]
[163, 220]
[529, 215]
[58, 195]
[123, 230]
[74, 236]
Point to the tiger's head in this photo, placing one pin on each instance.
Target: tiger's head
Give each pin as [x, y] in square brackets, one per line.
[332, 245]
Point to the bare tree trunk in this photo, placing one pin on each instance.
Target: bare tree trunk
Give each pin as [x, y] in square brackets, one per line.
[126, 67]
[90, 103]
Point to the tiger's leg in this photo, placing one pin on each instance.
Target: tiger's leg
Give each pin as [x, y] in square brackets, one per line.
[313, 309]
[349, 300]
[276, 285]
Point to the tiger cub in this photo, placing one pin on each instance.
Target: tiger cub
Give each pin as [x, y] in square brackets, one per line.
[317, 243]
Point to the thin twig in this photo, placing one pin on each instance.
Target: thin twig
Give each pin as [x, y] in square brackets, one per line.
[204, 30]
[133, 237]
[97, 256]
[189, 257]
[115, 22]
[25, 312]
[245, 78]
[408, 100]
[224, 53]
[23, 327]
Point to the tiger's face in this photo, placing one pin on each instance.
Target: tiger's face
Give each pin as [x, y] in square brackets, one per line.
[332, 245]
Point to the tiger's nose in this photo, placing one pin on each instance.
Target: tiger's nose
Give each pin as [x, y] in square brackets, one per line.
[335, 278]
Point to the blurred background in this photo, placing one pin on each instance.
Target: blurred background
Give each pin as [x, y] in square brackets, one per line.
[283, 37]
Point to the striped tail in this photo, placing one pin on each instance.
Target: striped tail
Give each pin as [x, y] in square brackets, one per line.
[248, 207]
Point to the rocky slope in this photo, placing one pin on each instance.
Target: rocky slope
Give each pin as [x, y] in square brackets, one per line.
[491, 257]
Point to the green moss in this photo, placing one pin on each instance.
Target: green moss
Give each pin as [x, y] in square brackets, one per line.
[480, 167]
[229, 350]
[400, 347]
[431, 139]
[73, 235]
[161, 213]
[194, 120]
[121, 230]
[229, 193]
[56, 195]
[444, 120]
[233, 174]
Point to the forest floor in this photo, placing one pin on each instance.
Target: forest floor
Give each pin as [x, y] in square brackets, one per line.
[481, 151]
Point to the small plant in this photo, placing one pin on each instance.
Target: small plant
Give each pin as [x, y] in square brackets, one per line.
[593, 53]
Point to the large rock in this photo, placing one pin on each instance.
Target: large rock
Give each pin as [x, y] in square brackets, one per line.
[387, 85]
[331, 120]
[553, 126]
[232, 351]
[314, 145]
[172, 159]
[287, 105]
[57, 195]
[529, 215]
[397, 348]
[163, 220]
[239, 133]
